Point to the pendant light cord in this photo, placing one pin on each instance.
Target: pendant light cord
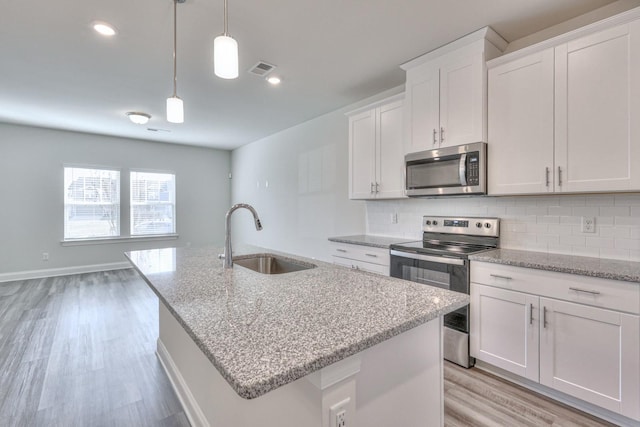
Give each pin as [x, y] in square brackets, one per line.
[226, 18]
[175, 48]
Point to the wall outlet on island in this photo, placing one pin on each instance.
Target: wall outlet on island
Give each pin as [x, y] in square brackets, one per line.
[394, 218]
[338, 415]
[588, 224]
[45, 256]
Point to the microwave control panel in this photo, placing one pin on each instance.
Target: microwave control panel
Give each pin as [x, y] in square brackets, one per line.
[473, 168]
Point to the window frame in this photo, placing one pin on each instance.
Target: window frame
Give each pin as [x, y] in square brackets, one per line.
[174, 203]
[124, 218]
[64, 200]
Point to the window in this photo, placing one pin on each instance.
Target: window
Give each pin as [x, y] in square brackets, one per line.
[153, 203]
[91, 203]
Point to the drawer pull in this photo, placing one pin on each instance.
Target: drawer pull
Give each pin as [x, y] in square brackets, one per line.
[341, 250]
[544, 317]
[585, 291]
[531, 314]
[372, 255]
[497, 276]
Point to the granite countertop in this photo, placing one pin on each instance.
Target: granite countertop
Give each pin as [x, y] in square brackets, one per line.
[586, 266]
[264, 331]
[373, 241]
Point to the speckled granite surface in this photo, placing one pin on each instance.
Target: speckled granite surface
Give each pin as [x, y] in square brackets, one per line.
[595, 267]
[264, 331]
[372, 241]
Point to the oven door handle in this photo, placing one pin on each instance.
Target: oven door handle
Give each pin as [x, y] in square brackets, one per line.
[462, 169]
[420, 257]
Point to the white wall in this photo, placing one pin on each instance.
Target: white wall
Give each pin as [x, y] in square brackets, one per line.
[31, 193]
[297, 180]
[537, 223]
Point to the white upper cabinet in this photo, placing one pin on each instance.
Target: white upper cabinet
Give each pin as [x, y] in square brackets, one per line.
[521, 125]
[446, 93]
[376, 156]
[563, 115]
[598, 111]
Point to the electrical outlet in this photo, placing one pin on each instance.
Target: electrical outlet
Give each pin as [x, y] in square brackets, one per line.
[338, 414]
[588, 224]
[394, 218]
[45, 256]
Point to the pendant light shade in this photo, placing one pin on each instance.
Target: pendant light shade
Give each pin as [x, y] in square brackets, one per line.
[225, 57]
[225, 52]
[175, 110]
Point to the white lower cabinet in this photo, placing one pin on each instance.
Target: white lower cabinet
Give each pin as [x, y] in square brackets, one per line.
[373, 260]
[505, 329]
[584, 348]
[592, 354]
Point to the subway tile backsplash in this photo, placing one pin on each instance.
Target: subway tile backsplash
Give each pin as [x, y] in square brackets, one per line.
[536, 223]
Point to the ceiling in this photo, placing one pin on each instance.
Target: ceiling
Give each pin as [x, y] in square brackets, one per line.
[57, 72]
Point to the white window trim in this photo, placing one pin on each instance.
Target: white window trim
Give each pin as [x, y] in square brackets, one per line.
[121, 239]
[175, 202]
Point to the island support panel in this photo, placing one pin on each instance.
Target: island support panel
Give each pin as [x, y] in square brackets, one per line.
[396, 382]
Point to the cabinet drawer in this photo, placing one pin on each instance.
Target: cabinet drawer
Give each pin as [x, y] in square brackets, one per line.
[362, 265]
[361, 253]
[604, 293]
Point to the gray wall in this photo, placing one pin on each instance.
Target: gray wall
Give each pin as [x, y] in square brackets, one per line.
[297, 180]
[31, 193]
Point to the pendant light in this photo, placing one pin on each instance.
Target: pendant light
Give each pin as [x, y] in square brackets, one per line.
[175, 109]
[225, 52]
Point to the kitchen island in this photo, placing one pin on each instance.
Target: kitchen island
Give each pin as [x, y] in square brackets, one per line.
[244, 348]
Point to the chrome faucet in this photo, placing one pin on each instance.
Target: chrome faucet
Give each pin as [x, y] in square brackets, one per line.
[228, 254]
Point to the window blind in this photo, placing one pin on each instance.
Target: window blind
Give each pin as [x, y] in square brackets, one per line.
[153, 205]
[91, 203]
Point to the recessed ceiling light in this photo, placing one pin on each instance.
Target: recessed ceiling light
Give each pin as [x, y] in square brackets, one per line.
[138, 118]
[104, 28]
[274, 80]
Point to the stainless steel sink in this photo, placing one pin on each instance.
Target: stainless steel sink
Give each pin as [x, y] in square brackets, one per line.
[270, 264]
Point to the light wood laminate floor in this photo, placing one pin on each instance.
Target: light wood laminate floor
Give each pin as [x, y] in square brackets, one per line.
[80, 351]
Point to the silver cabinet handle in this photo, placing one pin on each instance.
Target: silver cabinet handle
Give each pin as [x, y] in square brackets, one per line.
[546, 176]
[559, 176]
[531, 314]
[497, 276]
[371, 191]
[435, 136]
[585, 291]
[341, 250]
[377, 185]
[441, 134]
[544, 317]
[372, 255]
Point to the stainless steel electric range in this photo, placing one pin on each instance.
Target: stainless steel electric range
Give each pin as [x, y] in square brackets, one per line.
[441, 259]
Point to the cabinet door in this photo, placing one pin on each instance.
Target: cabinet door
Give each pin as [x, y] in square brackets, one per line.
[597, 110]
[461, 100]
[504, 329]
[362, 146]
[521, 125]
[422, 109]
[389, 153]
[592, 354]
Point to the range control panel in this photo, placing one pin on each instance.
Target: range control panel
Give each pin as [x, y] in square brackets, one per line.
[469, 226]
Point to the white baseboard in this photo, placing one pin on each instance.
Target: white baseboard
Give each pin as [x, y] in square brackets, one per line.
[191, 408]
[65, 271]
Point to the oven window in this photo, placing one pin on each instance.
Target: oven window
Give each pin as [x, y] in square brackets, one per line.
[439, 279]
[443, 173]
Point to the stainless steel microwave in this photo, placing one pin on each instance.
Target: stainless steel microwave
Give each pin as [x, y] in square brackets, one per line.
[447, 171]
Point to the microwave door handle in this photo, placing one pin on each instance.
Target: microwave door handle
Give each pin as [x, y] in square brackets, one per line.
[462, 170]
